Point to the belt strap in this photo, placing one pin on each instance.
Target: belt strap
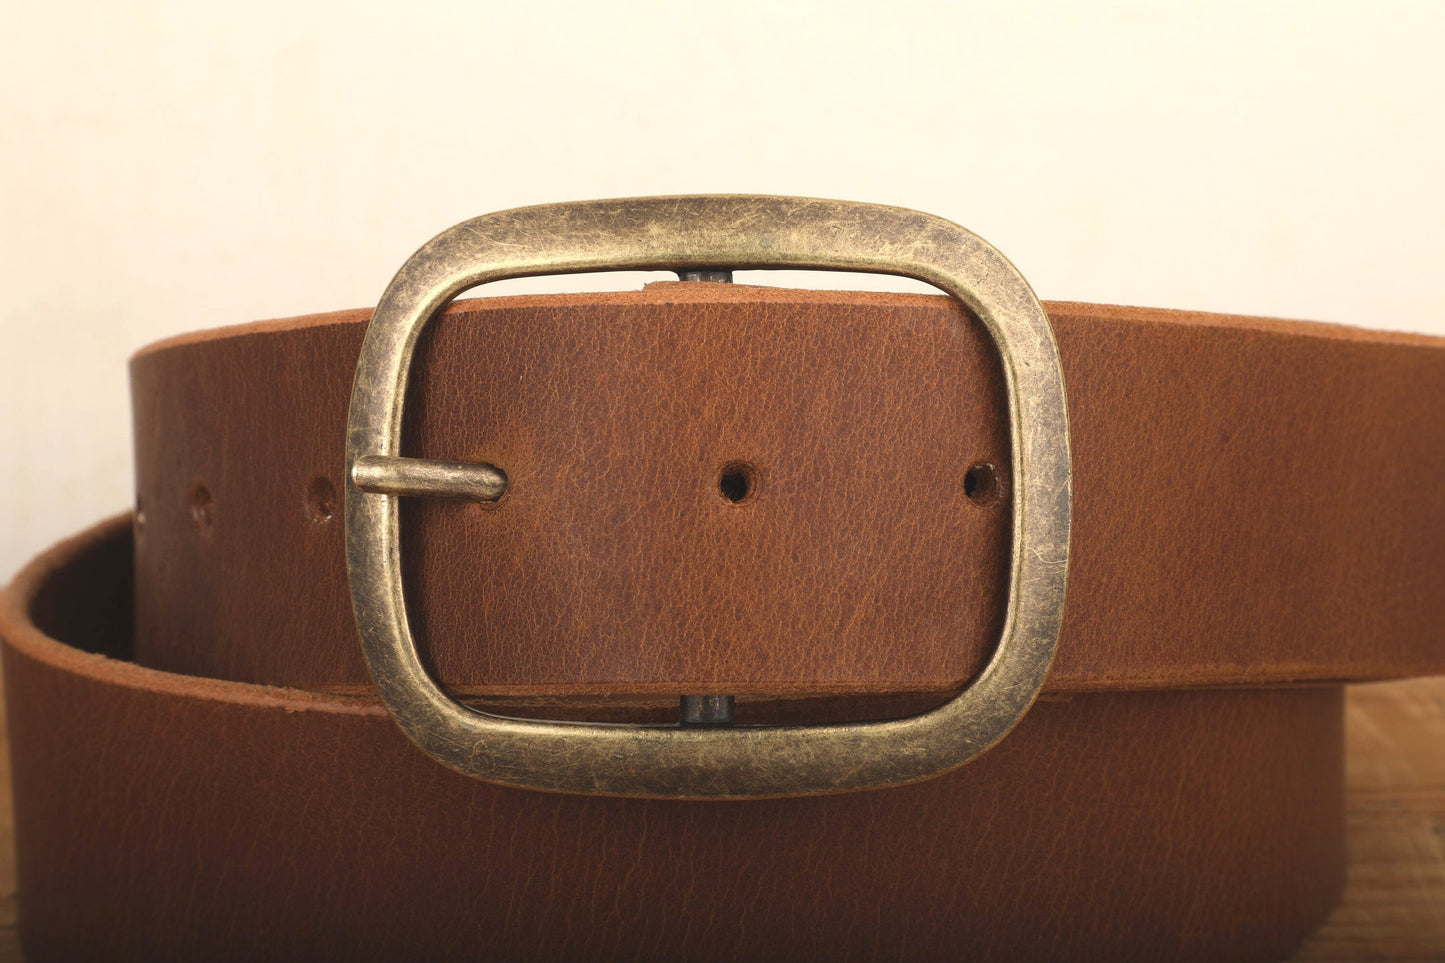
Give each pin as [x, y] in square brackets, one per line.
[1255, 501]
[162, 816]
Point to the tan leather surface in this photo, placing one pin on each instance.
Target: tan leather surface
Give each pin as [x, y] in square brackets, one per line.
[1255, 502]
[1257, 505]
[162, 816]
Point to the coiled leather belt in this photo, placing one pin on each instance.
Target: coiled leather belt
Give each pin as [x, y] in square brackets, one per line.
[806, 502]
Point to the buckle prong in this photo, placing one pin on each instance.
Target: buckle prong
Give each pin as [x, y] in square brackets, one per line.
[391, 475]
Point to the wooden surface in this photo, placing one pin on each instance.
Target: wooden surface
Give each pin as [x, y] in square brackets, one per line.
[1394, 902]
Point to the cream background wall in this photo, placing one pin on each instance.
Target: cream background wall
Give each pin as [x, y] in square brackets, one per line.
[167, 166]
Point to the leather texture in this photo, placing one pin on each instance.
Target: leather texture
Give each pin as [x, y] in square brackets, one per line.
[203, 771]
[162, 816]
[1255, 501]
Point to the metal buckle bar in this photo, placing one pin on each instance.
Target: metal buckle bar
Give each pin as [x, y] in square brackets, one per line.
[706, 234]
[380, 475]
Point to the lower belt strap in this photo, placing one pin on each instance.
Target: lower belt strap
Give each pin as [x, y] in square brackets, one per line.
[167, 816]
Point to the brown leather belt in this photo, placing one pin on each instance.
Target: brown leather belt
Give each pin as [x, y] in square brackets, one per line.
[797, 498]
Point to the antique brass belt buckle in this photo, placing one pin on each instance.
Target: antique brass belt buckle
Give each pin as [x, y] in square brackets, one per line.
[705, 233]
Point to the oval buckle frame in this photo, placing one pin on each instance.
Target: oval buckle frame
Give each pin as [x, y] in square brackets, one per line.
[707, 232]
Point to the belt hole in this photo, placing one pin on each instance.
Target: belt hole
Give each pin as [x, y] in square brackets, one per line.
[981, 484]
[737, 481]
[321, 500]
[201, 503]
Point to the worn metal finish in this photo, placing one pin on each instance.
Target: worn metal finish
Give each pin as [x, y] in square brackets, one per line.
[715, 710]
[717, 233]
[716, 277]
[383, 475]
